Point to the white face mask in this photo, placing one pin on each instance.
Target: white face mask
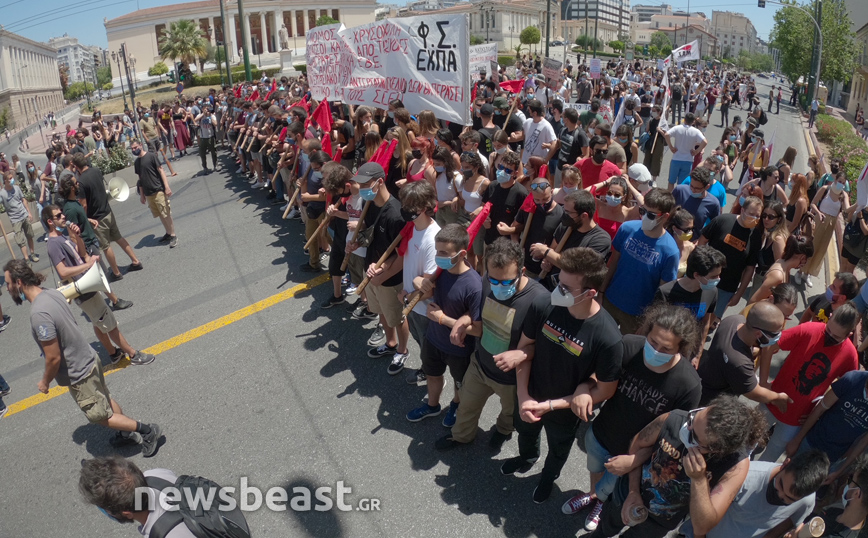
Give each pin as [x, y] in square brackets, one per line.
[648, 223]
[567, 300]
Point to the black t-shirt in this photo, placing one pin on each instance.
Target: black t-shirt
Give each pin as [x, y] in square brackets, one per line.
[740, 245]
[541, 231]
[821, 308]
[486, 146]
[834, 529]
[502, 323]
[513, 126]
[727, 367]
[664, 485]
[147, 167]
[569, 350]
[387, 229]
[92, 191]
[642, 396]
[595, 239]
[568, 139]
[646, 99]
[504, 206]
[700, 302]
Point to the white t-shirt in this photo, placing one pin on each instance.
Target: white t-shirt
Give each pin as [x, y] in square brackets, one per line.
[181, 530]
[354, 210]
[535, 135]
[419, 260]
[446, 190]
[685, 138]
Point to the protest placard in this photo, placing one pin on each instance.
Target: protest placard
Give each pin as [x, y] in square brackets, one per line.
[595, 68]
[552, 72]
[480, 58]
[329, 62]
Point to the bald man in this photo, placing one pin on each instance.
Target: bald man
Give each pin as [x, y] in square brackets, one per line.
[727, 367]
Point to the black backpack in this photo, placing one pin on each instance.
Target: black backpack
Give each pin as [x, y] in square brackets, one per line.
[676, 93]
[213, 523]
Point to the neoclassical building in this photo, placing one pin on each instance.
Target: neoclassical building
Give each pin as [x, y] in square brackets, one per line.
[29, 79]
[142, 29]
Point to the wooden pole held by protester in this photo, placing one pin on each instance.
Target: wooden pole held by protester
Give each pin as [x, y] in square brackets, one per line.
[294, 181]
[511, 110]
[319, 229]
[415, 297]
[380, 262]
[8, 244]
[242, 137]
[359, 226]
[526, 228]
[558, 248]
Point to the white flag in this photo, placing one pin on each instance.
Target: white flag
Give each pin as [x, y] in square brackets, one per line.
[687, 52]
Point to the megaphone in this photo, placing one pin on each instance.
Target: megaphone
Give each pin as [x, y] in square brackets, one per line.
[93, 280]
[118, 189]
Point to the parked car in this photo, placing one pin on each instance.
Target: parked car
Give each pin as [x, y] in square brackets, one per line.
[556, 44]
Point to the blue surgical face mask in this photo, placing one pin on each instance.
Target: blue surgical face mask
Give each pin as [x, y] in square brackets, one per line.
[501, 151]
[710, 285]
[654, 357]
[24, 298]
[444, 262]
[570, 190]
[526, 171]
[613, 201]
[113, 518]
[741, 200]
[12, 182]
[830, 295]
[503, 177]
[696, 194]
[391, 114]
[367, 194]
[622, 140]
[502, 292]
[439, 169]
[60, 229]
[732, 138]
[316, 176]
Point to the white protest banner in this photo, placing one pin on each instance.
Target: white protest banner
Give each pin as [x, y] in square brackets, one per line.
[480, 56]
[494, 72]
[580, 107]
[329, 62]
[552, 72]
[595, 68]
[686, 53]
[421, 60]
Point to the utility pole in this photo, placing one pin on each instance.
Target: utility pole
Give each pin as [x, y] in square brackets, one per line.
[244, 37]
[225, 50]
[586, 34]
[548, 24]
[596, 18]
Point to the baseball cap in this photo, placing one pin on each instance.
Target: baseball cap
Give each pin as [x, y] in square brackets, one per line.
[500, 103]
[486, 110]
[369, 172]
[640, 174]
[759, 134]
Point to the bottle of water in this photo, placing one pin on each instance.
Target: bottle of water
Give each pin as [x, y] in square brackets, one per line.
[637, 515]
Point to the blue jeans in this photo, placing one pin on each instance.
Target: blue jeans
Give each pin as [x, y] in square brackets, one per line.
[723, 298]
[4, 386]
[679, 170]
[597, 456]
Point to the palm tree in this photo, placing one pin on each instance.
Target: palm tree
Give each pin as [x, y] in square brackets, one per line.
[183, 40]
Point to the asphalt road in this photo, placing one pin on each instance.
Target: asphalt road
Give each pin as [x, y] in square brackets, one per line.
[285, 397]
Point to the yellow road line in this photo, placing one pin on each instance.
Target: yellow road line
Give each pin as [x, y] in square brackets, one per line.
[183, 338]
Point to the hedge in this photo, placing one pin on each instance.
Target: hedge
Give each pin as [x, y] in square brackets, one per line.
[213, 79]
[844, 144]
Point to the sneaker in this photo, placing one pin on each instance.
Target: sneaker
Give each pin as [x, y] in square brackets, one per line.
[497, 439]
[577, 503]
[808, 281]
[306, 251]
[294, 214]
[34, 257]
[271, 196]
[135, 267]
[4, 322]
[151, 441]
[351, 289]
[122, 304]
[122, 439]
[117, 357]
[516, 465]
[397, 364]
[543, 490]
[423, 411]
[141, 358]
[3, 410]
[447, 443]
[252, 179]
[308, 268]
[239, 171]
[114, 277]
[284, 206]
[5, 392]
[416, 378]
[259, 185]
[377, 337]
[333, 301]
[173, 242]
[382, 350]
[593, 518]
[165, 238]
[449, 419]
[345, 280]
[362, 312]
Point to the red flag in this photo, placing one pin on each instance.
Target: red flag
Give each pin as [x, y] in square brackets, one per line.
[406, 235]
[328, 199]
[386, 156]
[238, 92]
[375, 158]
[323, 117]
[473, 94]
[339, 154]
[543, 171]
[282, 136]
[253, 96]
[512, 86]
[528, 206]
[305, 104]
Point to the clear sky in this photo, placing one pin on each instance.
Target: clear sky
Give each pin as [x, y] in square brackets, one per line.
[84, 18]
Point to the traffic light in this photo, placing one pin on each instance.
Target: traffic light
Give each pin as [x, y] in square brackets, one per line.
[645, 50]
[761, 3]
[171, 76]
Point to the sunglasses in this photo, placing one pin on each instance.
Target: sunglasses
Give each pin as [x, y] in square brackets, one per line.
[495, 282]
[770, 216]
[767, 336]
[539, 186]
[691, 435]
[505, 169]
[651, 215]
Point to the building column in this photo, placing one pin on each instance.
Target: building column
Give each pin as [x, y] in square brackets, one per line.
[263, 33]
[212, 34]
[277, 17]
[246, 23]
[231, 39]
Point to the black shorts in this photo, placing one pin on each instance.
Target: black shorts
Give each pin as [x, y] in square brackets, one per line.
[434, 362]
[336, 258]
[154, 145]
[852, 258]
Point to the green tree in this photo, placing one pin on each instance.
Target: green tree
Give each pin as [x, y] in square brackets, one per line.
[158, 70]
[654, 51]
[616, 45]
[661, 41]
[588, 42]
[107, 86]
[76, 90]
[530, 36]
[63, 72]
[476, 40]
[325, 20]
[6, 120]
[793, 34]
[103, 75]
[183, 41]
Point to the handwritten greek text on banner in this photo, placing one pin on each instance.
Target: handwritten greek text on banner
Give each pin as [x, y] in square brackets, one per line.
[481, 57]
[330, 62]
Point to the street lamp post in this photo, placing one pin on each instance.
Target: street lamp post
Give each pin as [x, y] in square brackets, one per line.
[135, 81]
[117, 58]
[225, 49]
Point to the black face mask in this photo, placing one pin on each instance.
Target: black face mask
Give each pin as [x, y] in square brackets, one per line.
[599, 157]
[408, 216]
[829, 340]
[417, 153]
[834, 169]
[567, 220]
[772, 496]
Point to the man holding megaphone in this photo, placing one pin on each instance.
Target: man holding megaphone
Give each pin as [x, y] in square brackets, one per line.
[70, 258]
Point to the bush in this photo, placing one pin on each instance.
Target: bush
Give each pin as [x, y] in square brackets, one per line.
[828, 128]
[213, 79]
[846, 145]
[118, 158]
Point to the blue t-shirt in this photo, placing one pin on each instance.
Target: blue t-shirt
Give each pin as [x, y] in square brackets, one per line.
[644, 263]
[846, 420]
[456, 295]
[703, 209]
[717, 190]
